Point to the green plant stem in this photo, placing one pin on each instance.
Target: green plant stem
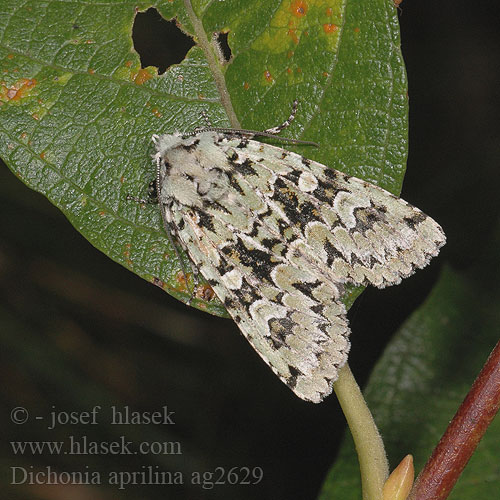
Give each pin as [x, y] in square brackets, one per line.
[369, 445]
[220, 82]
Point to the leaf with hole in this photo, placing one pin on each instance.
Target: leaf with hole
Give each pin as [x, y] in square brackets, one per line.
[78, 110]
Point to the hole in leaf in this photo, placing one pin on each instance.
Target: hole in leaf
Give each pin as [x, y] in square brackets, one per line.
[223, 45]
[159, 42]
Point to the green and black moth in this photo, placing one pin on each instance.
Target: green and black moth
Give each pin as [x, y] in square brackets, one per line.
[278, 236]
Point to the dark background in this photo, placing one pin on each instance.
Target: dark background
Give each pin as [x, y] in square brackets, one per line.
[78, 330]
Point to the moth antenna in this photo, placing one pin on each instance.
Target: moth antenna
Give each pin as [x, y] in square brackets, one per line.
[251, 133]
[270, 132]
[141, 201]
[152, 196]
[287, 122]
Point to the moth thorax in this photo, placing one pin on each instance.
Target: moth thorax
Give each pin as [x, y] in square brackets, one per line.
[213, 186]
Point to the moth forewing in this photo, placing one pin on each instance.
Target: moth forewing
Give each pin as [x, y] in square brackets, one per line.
[277, 236]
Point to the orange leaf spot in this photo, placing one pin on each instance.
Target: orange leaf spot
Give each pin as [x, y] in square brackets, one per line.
[181, 279]
[141, 76]
[330, 28]
[19, 90]
[299, 8]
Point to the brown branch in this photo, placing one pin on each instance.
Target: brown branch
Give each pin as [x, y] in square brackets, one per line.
[460, 439]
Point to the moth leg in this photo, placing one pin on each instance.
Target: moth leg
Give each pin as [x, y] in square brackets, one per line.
[204, 114]
[207, 121]
[286, 123]
[152, 198]
[270, 132]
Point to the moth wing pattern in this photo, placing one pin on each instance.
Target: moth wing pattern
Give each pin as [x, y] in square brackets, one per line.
[292, 319]
[289, 313]
[364, 234]
[277, 236]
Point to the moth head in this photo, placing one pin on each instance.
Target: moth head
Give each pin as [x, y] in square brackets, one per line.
[166, 142]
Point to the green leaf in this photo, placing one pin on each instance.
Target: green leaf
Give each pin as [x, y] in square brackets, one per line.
[77, 111]
[420, 381]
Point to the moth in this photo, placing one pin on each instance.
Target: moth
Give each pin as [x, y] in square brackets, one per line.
[278, 236]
